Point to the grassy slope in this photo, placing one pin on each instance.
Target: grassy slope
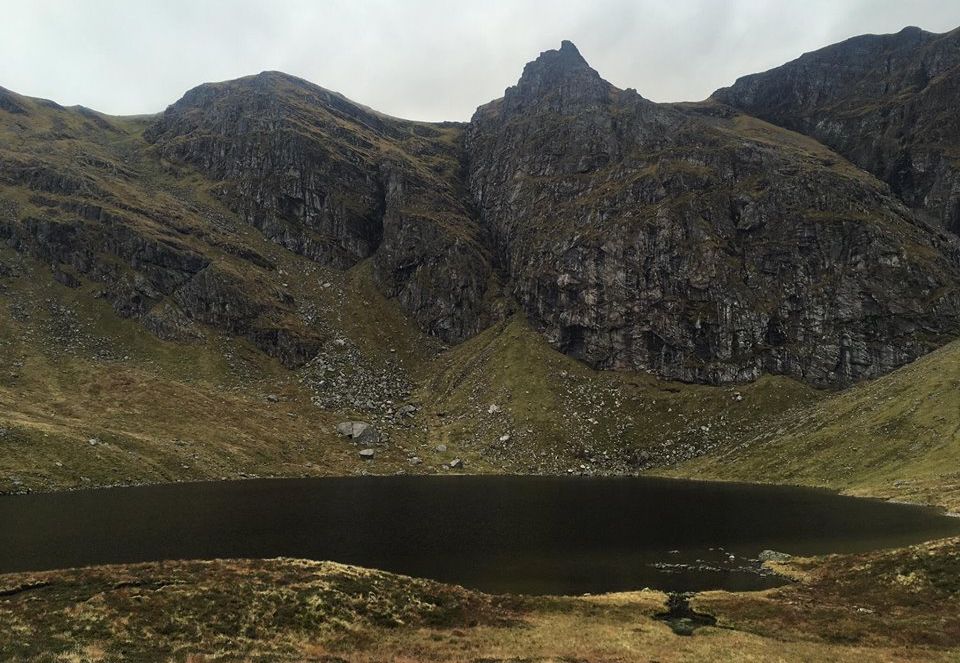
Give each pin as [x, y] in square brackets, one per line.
[560, 414]
[167, 411]
[71, 371]
[892, 606]
[897, 436]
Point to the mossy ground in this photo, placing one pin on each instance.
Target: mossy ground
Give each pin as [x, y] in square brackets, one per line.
[889, 606]
[907, 598]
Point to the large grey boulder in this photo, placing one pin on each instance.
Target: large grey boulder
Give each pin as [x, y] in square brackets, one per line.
[359, 431]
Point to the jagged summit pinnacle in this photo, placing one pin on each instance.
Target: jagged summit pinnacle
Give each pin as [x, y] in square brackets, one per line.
[567, 46]
[562, 74]
[566, 59]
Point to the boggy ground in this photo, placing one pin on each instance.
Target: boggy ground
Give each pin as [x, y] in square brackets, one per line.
[899, 605]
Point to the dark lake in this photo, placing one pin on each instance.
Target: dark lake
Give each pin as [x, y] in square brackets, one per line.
[498, 534]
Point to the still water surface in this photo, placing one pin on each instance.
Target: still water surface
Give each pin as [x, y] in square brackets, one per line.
[497, 534]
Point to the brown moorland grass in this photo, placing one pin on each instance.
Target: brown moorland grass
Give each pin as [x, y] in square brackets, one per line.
[888, 606]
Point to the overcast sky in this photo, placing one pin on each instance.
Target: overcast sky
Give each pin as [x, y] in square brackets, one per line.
[419, 59]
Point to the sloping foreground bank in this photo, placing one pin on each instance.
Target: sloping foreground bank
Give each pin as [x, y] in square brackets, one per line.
[884, 606]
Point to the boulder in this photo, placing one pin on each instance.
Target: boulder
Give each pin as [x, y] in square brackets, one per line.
[774, 556]
[359, 431]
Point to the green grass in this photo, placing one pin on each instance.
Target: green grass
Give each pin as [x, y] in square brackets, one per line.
[897, 436]
[560, 413]
[71, 370]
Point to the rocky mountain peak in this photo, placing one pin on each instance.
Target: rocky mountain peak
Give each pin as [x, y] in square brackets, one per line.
[562, 78]
[689, 240]
[885, 102]
[570, 53]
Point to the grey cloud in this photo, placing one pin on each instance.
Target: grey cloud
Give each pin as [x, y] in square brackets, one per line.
[421, 59]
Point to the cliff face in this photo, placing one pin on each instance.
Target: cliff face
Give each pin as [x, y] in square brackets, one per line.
[698, 243]
[337, 182]
[688, 240]
[79, 192]
[886, 102]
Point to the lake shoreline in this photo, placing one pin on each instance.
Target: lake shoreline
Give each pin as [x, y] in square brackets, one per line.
[519, 534]
[845, 608]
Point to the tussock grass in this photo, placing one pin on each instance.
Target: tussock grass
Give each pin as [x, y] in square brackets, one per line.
[286, 609]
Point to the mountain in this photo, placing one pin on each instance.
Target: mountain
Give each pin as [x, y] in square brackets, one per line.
[886, 102]
[336, 182]
[763, 286]
[149, 207]
[161, 276]
[697, 242]
[688, 240]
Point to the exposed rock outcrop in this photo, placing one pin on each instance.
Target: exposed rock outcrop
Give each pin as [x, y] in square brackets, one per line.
[697, 243]
[688, 240]
[886, 102]
[336, 182]
[294, 159]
